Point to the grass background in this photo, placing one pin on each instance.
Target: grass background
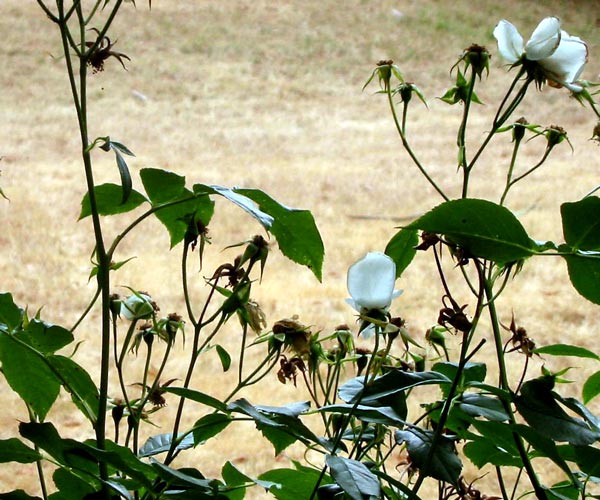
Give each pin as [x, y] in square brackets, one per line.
[268, 95]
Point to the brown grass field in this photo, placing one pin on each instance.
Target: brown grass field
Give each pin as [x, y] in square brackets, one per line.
[267, 94]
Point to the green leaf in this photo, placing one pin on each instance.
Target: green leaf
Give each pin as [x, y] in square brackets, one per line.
[538, 406]
[126, 183]
[293, 484]
[70, 486]
[591, 388]
[294, 229]
[14, 450]
[280, 425]
[479, 405]
[183, 477]
[544, 445]
[484, 229]
[17, 495]
[162, 185]
[354, 477]
[236, 480]
[10, 314]
[119, 149]
[79, 384]
[584, 273]
[209, 426]
[242, 201]
[162, 443]
[83, 457]
[182, 206]
[445, 464]
[234, 477]
[44, 337]
[66, 452]
[109, 200]
[379, 415]
[567, 350]
[486, 450]
[581, 223]
[472, 373]
[224, 357]
[401, 248]
[198, 397]
[28, 375]
[392, 383]
[588, 459]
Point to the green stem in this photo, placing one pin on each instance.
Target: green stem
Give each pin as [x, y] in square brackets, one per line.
[499, 120]
[503, 384]
[368, 378]
[87, 310]
[79, 94]
[449, 402]
[38, 463]
[511, 167]
[408, 149]
[462, 132]
[531, 170]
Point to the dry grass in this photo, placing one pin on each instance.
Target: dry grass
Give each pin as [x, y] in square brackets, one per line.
[268, 95]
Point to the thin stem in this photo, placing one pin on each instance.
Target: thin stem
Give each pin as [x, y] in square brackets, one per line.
[500, 119]
[462, 132]
[93, 12]
[38, 463]
[47, 11]
[511, 167]
[87, 310]
[79, 94]
[532, 169]
[501, 483]
[408, 149]
[503, 384]
[344, 425]
[449, 402]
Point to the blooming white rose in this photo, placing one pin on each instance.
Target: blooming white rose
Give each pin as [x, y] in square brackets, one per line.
[137, 307]
[371, 282]
[560, 56]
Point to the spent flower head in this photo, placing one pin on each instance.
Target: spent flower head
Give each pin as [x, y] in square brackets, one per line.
[551, 54]
[478, 58]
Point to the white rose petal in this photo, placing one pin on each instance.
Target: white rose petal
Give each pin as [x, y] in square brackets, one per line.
[544, 39]
[371, 282]
[510, 42]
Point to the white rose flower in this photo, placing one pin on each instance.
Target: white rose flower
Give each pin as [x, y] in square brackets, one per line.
[371, 282]
[560, 56]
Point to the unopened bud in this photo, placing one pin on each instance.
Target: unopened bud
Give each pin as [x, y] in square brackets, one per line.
[519, 129]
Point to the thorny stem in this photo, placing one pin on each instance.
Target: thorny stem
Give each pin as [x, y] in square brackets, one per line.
[79, 95]
[449, 401]
[503, 384]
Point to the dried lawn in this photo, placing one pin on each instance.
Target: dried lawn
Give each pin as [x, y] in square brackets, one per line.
[268, 95]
